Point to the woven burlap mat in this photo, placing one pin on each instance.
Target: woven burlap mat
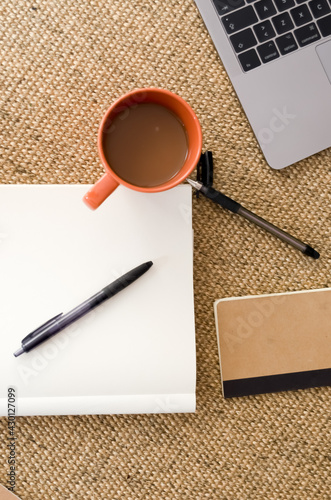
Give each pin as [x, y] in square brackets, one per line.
[62, 63]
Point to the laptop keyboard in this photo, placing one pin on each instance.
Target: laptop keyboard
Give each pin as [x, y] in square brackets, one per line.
[261, 31]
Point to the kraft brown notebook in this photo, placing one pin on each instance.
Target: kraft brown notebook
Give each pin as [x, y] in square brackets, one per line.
[275, 342]
[6, 494]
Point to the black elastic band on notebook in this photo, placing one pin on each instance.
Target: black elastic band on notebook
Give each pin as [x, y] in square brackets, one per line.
[276, 383]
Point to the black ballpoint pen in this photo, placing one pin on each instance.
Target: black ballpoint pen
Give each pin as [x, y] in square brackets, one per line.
[236, 208]
[61, 321]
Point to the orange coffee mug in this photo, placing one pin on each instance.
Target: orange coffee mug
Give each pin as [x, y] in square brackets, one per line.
[110, 180]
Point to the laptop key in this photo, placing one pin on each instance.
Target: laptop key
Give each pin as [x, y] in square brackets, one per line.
[283, 23]
[286, 44]
[225, 6]
[319, 8]
[264, 31]
[307, 34]
[249, 60]
[265, 8]
[284, 4]
[239, 19]
[243, 40]
[301, 15]
[325, 25]
[268, 52]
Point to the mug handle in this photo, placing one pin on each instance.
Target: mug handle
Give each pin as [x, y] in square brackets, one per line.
[100, 191]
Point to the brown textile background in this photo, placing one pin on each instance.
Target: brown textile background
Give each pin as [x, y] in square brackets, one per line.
[62, 63]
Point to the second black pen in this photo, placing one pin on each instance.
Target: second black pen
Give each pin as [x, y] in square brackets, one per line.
[233, 206]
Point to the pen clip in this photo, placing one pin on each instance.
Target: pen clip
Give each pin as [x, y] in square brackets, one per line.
[42, 327]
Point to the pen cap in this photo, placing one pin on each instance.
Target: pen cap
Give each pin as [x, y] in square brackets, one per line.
[205, 169]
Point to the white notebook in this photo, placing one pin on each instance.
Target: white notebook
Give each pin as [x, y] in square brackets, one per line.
[133, 354]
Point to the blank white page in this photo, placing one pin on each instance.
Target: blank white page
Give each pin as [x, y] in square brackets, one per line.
[133, 354]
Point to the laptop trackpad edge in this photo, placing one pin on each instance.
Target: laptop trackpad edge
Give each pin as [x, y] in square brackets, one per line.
[324, 53]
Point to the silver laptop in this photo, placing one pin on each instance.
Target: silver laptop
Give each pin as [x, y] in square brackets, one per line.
[277, 54]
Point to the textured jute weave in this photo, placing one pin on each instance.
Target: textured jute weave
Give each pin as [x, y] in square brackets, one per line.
[62, 63]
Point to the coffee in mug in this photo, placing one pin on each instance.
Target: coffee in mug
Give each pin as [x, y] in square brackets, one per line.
[146, 144]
